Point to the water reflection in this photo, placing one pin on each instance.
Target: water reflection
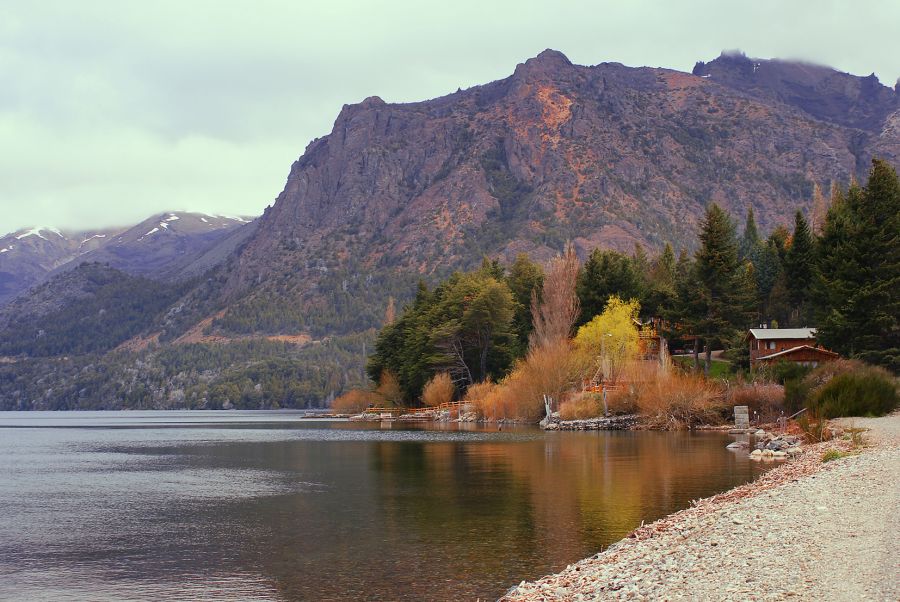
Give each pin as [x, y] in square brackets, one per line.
[328, 511]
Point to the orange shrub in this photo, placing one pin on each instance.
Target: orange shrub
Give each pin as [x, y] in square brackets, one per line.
[438, 390]
[581, 406]
[676, 400]
[354, 401]
[552, 369]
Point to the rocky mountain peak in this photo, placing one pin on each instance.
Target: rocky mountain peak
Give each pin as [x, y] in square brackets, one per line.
[548, 62]
[822, 92]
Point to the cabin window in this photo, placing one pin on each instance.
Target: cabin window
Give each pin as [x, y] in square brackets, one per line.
[770, 345]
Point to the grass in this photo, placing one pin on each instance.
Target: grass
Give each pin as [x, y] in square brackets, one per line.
[717, 369]
[836, 454]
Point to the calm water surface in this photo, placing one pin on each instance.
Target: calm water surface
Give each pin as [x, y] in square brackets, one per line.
[266, 506]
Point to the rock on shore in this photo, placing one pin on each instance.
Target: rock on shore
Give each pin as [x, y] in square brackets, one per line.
[612, 423]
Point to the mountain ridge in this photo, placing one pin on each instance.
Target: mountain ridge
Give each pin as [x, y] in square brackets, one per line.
[31, 255]
[603, 156]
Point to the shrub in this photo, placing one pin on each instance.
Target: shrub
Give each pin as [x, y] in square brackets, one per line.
[766, 399]
[870, 392]
[355, 400]
[552, 369]
[814, 426]
[389, 388]
[783, 371]
[676, 400]
[438, 390]
[579, 407]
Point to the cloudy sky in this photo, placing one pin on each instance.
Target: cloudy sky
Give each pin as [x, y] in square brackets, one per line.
[113, 110]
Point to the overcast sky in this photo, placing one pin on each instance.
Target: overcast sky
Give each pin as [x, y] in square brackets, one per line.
[113, 110]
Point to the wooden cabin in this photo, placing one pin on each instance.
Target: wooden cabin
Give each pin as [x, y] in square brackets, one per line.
[772, 345]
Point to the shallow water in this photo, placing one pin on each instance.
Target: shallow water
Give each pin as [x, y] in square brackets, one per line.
[268, 506]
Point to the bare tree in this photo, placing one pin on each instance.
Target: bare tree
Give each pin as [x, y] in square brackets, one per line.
[555, 312]
[390, 314]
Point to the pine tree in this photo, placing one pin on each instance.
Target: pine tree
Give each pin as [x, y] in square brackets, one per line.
[524, 278]
[660, 294]
[724, 293]
[605, 273]
[799, 269]
[858, 276]
[750, 242]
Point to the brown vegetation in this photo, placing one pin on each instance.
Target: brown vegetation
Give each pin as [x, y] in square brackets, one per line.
[555, 311]
[674, 400]
[354, 401]
[438, 390]
[764, 399]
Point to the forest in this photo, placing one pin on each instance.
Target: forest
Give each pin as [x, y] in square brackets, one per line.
[837, 270]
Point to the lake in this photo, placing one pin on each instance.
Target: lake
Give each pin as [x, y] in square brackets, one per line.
[269, 506]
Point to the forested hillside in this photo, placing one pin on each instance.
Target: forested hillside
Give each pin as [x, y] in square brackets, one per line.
[603, 156]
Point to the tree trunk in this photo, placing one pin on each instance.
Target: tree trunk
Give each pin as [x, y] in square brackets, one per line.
[696, 354]
[708, 360]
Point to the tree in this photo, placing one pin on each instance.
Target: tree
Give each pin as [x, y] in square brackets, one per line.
[553, 314]
[818, 212]
[723, 286]
[524, 279]
[472, 321]
[660, 294]
[611, 338]
[798, 269]
[606, 273]
[857, 281]
[390, 313]
[750, 241]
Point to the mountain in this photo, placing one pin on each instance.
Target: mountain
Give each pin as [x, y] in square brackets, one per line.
[162, 245]
[603, 155]
[168, 246]
[28, 255]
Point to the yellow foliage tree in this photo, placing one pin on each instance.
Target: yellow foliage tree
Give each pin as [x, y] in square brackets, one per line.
[612, 337]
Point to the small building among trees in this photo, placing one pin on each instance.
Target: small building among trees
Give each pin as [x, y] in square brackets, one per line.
[772, 345]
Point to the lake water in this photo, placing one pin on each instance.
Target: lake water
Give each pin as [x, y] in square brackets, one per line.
[267, 506]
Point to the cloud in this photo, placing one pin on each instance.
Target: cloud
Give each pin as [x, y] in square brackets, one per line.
[112, 110]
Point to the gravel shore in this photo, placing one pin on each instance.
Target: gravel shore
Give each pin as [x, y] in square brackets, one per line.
[806, 530]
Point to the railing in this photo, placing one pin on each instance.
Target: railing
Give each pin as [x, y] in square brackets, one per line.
[385, 410]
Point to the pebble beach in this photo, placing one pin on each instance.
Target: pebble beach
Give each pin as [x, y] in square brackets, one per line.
[806, 530]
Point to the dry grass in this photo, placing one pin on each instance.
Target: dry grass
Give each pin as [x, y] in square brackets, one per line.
[765, 399]
[674, 401]
[581, 407]
[553, 369]
[438, 390]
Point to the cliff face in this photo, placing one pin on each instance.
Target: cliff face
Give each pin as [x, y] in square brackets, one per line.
[604, 155]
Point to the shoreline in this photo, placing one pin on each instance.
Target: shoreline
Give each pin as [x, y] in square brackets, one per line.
[762, 540]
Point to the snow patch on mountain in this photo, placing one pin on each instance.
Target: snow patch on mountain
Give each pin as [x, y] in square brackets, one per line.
[36, 231]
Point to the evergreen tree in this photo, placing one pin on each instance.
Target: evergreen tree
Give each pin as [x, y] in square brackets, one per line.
[684, 318]
[750, 242]
[605, 273]
[858, 277]
[767, 270]
[798, 269]
[724, 293]
[660, 296]
[523, 279]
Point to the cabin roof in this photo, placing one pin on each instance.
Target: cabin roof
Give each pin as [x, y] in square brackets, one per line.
[782, 333]
[787, 352]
